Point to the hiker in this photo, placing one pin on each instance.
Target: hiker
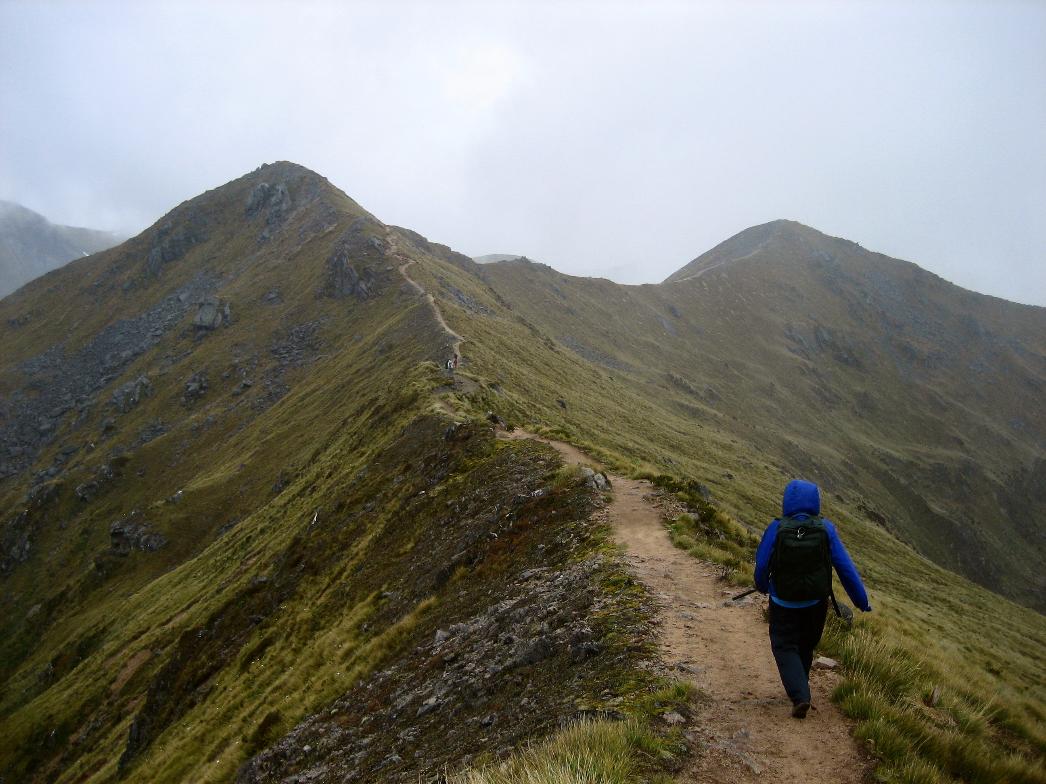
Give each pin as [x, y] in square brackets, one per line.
[794, 565]
[455, 360]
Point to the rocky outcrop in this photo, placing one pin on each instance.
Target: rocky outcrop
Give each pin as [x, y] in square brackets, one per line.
[174, 238]
[65, 383]
[594, 479]
[211, 314]
[131, 394]
[356, 265]
[134, 533]
[195, 388]
[273, 203]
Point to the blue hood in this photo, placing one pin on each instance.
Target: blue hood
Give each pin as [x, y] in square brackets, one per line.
[801, 497]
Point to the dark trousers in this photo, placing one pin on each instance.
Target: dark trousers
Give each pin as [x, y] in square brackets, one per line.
[794, 633]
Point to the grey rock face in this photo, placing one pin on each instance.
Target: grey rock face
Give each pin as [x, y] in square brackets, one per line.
[274, 202]
[173, 240]
[356, 266]
[212, 313]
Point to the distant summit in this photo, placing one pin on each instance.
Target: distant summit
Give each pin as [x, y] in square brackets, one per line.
[31, 245]
[777, 234]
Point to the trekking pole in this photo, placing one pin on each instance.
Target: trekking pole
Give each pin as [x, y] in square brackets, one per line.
[743, 595]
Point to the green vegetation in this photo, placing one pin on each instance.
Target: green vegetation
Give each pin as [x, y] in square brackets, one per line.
[334, 499]
[637, 749]
[982, 651]
[590, 751]
[924, 718]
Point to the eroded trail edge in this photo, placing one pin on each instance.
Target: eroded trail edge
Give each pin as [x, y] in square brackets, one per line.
[741, 730]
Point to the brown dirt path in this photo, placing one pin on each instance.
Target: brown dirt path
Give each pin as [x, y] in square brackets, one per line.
[743, 731]
[394, 250]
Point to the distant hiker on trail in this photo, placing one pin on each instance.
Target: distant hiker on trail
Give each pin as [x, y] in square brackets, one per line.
[794, 565]
[455, 359]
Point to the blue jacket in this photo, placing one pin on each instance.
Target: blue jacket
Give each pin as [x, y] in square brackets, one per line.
[802, 500]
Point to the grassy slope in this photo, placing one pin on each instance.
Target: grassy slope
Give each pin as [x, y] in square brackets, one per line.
[98, 627]
[890, 383]
[108, 637]
[303, 553]
[984, 651]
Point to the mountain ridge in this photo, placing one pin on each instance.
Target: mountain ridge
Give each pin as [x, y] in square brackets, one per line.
[234, 471]
[30, 245]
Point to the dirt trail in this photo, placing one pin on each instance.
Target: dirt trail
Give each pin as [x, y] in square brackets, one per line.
[394, 250]
[743, 731]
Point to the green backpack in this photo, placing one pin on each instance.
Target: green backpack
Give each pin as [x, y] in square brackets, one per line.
[801, 565]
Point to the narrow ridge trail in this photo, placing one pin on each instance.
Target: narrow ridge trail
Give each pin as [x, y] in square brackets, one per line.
[742, 731]
[394, 250]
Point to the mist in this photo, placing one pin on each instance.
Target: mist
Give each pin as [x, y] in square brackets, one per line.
[616, 140]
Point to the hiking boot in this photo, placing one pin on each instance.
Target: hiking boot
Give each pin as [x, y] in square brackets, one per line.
[799, 710]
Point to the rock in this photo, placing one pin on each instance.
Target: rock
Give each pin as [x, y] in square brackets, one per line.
[273, 297]
[533, 651]
[212, 313]
[41, 495]
[15, 541]
[429, 705]
[195, 388]
[153, 430]
[129, 534]
[132, 393]
[932, 699]
[442, 635]
[824, 663]
[672, 717]
[595, 480]
[274, 200]
[172, 240]
[86, 491]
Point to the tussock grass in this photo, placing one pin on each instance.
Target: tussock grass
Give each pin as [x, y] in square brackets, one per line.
[929, 627]
[588, 752]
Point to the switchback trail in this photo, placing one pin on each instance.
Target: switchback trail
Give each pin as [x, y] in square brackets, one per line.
[742, 731]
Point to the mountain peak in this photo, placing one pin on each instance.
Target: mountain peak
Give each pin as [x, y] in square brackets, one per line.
[747, 243]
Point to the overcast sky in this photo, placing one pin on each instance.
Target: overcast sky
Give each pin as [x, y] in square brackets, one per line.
[619, 140]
